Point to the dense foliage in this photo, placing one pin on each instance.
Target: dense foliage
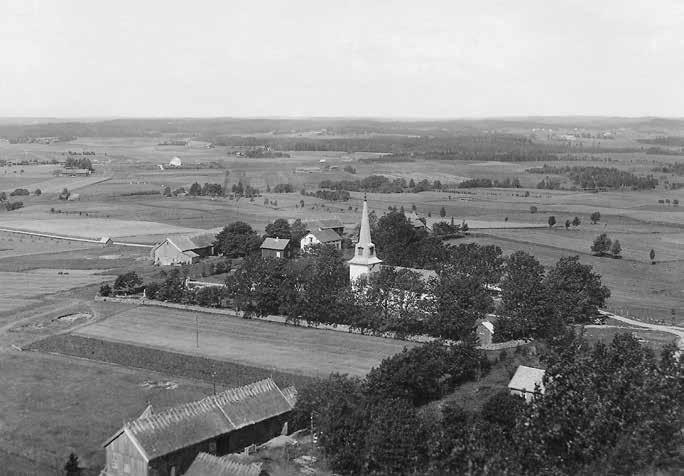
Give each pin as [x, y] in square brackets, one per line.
[489, 183]
[598, 177]
[610, 409]
[236, 240]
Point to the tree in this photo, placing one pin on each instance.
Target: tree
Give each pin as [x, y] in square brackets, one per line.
[127, 283]
[71, 468]
[524, 310]
[575, 293]
[65, 194]
[195, 190]
[567, 224]
[533, 209]
[503, 409]
[616, 249]
[576, 222]
[595, 217]
[298, 230]
[442, 212]
[552, 221]
[237, 240]
[393, 443]
[652, 256]
[485, 262]
[167, 191]
[37, 192]
[601, 244]
[280, 228]
[3, 196]
[412, 184]
[105, 290]
[610, 409]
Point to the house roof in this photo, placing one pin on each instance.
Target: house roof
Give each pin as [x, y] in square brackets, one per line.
[178, 427]
[191, 242]
[274, 244]
[526, 378]
[328, 224]
[210, 465]
[326, 236]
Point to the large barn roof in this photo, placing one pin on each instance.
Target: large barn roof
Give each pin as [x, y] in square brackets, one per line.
[209, 465]
[192, 242]
[327, 224]
[178, 427]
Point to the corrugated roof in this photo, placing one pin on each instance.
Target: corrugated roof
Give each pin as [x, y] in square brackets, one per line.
[526, 378]
[326, 236]
[274, 244]
[185, 425]
[210, 465]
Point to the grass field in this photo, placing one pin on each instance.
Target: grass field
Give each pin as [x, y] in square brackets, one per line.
[53, 405]
[261, 344]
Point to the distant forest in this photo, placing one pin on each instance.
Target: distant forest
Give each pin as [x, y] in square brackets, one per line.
[598, 177]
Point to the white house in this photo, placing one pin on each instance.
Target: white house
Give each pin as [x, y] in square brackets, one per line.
[182, 249]
[527, 382]
[325, 237]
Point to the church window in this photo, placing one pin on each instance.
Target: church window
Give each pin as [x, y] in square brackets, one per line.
[359, 251]
[371, 249]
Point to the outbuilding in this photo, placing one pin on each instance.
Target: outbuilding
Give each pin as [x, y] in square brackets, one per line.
[183, 249]
[165, 443]
[527, 382]
[321, 237]
[276, 248]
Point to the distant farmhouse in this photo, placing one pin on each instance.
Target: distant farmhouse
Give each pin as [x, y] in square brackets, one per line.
[326, 232]
[527, 382]
[175, 162]
[165, 443]
[276, 248]
[182, 249]
[333, 224]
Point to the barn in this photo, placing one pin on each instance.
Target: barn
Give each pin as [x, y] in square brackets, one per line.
[333, 224]
[276, 248]
[165, 443]
[182, 249]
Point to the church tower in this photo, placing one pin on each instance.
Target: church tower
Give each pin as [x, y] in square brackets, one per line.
[364, 260]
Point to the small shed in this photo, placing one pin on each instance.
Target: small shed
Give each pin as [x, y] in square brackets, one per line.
[485, 330]
[527, 382]
[106, 241]
[276, 248]
[324, 237]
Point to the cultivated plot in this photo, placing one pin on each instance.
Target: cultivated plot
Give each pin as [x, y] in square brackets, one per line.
[262, 344]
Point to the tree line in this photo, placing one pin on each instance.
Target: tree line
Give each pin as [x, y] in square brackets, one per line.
[598, 177]
[381, 184]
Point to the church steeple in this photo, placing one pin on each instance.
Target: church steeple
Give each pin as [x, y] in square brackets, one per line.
[364, 259]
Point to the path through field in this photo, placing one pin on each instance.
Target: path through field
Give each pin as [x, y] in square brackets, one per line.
[677, 331]
[262, 344]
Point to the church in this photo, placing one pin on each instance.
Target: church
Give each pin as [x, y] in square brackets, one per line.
[365, 260]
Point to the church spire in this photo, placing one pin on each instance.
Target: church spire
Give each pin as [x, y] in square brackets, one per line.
[364, 259]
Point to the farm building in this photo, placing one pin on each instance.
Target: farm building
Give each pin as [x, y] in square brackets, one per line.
[210, 465]
[74, 172]
[325, 237]
[329, 224]
[166, 443]
[276, 248]
[485, 330]
[527, 382]
[182, 249]
[175, 162]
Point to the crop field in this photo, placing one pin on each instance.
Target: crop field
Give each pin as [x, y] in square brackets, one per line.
[13, 245]
[92, 228]
[22, 288]
[256, 343]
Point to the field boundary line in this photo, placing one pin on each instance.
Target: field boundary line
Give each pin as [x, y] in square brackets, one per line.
[71, 238]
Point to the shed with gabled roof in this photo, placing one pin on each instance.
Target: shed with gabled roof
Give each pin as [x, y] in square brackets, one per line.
[166, 442]
[276, 248]
[527, 382]
[321, 237]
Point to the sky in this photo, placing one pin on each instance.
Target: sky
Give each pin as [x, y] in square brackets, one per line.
[367, 58]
